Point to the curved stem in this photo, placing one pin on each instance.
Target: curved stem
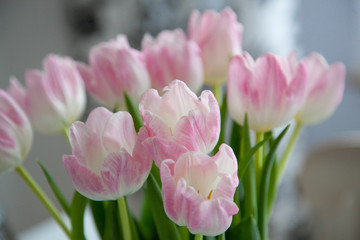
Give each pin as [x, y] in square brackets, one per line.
[124, 218]
[198, 237]
[290, 147]
[65, 132]
[43, 198]
[217, 89]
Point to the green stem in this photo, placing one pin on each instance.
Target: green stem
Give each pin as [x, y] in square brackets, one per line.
[124, 218]
[115, 108]
[217, 89]
[259, 158]
[198, 237]
[65, 132]
[43, 198]
[284, 160]
[222, 237]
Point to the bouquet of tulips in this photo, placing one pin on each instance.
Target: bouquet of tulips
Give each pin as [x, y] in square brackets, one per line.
[202, 171]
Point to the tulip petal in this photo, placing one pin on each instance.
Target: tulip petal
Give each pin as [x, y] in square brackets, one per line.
[160, 149]
[119, 133]
[86, 146]
[85, 181]
[212, 217]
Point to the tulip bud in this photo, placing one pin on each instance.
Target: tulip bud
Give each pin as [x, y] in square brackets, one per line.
[53, 98]
[270, 91]
[219, 37]
[115, 68]
[171, 56]
[324, 89]
[15, 133]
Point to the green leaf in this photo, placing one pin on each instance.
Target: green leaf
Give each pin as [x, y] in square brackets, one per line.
[165, 227]
[244, 162]
[272, 187]
[236, 138]
[264, 185]
[245, 230]
[98, 211]
[77, 216]
[133, 111]
[146, 224]
[56, 190]
[249, 179]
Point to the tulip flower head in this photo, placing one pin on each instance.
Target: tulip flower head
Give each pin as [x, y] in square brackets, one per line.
[53, 98]
[324, 89]
[15, 133]
[179, 121]
[115, 68]
[198, 190]
[219, 37]
[108, 160]
[270, 91]
[171, 56]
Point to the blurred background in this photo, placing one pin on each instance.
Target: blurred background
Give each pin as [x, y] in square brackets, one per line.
[320, 195]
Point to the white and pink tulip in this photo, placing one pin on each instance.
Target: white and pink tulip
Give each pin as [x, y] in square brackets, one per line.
[108, 160]
[179, 121]
[198, 190]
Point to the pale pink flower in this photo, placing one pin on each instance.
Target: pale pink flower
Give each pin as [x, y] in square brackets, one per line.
[171, 56]
[324, 89]
[219, 36]
[269, 90]
[115, 68]
[179, 121]
[108, 160]
[15, 133]
[53, 98]
[198, 190]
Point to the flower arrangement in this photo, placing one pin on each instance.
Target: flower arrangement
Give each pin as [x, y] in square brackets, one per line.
[202, 173]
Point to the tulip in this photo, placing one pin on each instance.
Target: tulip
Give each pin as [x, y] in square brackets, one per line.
[171, 56]
[108, 160]
[53, 99]
[15, 133]
[270, 90]
[324, 89]
[198, 190]
[178, 121]
[115, 68]
[219, 37]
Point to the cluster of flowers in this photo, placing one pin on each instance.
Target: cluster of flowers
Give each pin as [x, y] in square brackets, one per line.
[112, 157]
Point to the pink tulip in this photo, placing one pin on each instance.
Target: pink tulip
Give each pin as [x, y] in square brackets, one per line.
[198, 190]
[108, 160]
[178, 121]
[115, 68]
[324, 89]
[15, 133]
[53, 98]
[269, 90]
[171, 56]
[219, 37]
